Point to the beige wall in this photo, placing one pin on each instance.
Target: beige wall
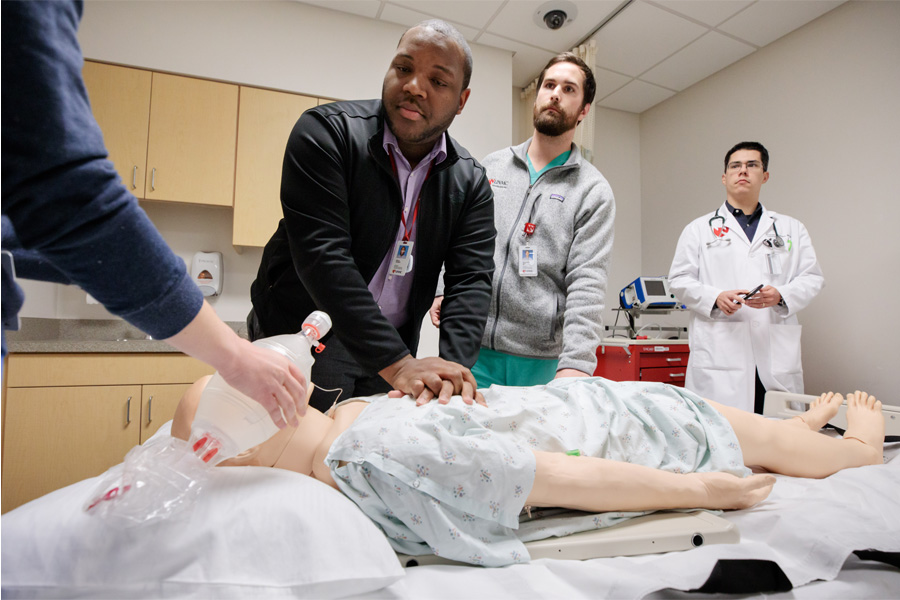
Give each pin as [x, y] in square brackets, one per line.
[617, 153]
[825, 100]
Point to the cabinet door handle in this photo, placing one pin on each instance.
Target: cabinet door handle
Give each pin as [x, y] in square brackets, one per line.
[673, 360]
[149, 410]
[674, 375]
[134, 178]
[128, 411]
[153, 180]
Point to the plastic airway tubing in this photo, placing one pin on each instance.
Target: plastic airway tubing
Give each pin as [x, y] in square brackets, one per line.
[156, 481]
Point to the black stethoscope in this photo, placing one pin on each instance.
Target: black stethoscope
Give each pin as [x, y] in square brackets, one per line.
[717, 226]
[777, 242]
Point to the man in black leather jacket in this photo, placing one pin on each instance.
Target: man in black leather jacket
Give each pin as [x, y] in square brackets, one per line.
[353, 211]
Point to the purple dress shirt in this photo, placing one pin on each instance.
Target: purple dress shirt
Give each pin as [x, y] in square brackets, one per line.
[391, 292]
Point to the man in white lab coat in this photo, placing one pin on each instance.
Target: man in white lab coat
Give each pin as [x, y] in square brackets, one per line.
[742, 343]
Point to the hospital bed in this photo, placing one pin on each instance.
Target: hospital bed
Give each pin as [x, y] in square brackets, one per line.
[266, 533]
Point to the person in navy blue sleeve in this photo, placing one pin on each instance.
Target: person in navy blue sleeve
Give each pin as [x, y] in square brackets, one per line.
[68, 218]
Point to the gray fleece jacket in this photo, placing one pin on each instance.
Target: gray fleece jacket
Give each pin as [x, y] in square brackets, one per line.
[558, 313]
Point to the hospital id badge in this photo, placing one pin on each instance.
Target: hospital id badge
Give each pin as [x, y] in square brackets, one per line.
[402, 263]
[527, 261]
[773, 263]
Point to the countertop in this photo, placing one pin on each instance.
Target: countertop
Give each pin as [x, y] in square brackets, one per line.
[73, 336]
[621, 341]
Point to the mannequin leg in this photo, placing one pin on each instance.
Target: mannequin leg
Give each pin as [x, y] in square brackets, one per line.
[783, 447]
[601, 485]
[596, 484]
[821, 410]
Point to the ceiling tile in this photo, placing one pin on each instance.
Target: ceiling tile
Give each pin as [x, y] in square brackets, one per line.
[636, 97]
[527, 62]
[365, 8]
[516, 21]
[404, 16]
[641, 36]
[470, 33]
[699, 60]
[608, 82]
[474, 13]
[649, 49]
[765, 22]
[706, 11]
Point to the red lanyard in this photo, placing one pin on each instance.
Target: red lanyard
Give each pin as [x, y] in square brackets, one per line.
[408, 230]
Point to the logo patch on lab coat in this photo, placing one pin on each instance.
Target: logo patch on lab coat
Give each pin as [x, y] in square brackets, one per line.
[557, 197]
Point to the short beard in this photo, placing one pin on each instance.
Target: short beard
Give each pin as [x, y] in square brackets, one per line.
[546, 124]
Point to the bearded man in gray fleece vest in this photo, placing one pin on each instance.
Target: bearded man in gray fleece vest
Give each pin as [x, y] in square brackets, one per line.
[554, 214]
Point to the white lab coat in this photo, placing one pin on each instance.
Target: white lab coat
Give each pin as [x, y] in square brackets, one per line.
[727, 350]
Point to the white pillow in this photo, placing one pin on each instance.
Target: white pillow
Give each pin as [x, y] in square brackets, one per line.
[253, 532]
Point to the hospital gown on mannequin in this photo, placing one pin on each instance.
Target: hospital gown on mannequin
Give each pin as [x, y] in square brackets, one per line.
[453, 479]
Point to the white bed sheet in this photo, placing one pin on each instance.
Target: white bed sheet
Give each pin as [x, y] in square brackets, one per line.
[810, 528]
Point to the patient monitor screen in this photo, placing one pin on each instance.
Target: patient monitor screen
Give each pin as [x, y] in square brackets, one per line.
[655, 287]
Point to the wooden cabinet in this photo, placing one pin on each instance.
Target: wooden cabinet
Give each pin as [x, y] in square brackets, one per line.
[158, 404]
[69, 417]
[266, 120]
[182, 139]
[171, 138]
[120, 100]
[59, 435]
[191, 144]
[644, 360]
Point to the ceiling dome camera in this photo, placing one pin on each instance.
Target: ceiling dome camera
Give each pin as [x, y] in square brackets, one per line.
[555, 14]
[555, 19]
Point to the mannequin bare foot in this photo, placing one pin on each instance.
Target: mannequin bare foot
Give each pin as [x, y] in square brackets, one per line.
[865, 424]
[821, 410]
[727, 491]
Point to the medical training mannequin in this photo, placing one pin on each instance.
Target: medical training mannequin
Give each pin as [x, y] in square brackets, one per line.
[590, 483]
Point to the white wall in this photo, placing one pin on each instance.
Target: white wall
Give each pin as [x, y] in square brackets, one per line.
[825, 100]
[275, 44]
[617, 154]
[187, 229]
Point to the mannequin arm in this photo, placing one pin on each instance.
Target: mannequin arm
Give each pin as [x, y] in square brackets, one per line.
[601, 485]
